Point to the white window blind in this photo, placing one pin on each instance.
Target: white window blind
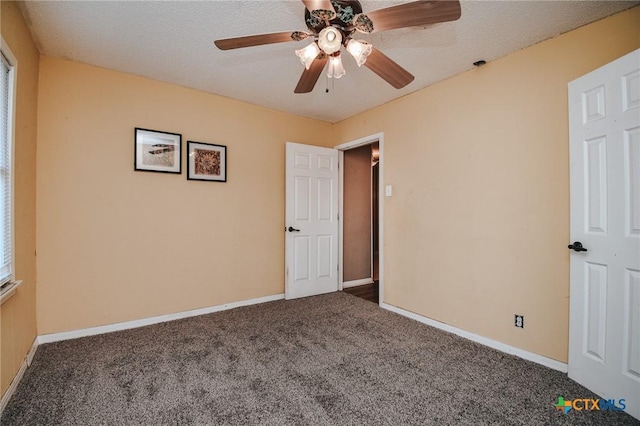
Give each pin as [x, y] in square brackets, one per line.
[6, 193]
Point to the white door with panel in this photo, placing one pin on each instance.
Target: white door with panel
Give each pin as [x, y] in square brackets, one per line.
[604, 332]
[311, 224]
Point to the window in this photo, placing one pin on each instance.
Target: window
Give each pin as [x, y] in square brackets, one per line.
[6, 164]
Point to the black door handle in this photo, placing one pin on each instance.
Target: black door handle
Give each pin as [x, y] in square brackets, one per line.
[292, 229]
[577, 246]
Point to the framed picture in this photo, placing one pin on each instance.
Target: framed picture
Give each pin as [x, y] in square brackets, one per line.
[206, 162]
[158, 151]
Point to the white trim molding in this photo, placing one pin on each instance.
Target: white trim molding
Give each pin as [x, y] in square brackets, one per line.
[18, 377]
[10, 291]
[12, 102]
[92, 331]
[356, 283]
[377, 137]
[511, 350]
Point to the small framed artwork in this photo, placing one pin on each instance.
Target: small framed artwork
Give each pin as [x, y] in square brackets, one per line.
[206, 162]
[157, 151]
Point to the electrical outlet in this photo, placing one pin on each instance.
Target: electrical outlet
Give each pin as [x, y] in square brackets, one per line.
[519, 322]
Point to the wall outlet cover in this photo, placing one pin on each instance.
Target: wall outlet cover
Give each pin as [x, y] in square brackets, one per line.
[519, 321]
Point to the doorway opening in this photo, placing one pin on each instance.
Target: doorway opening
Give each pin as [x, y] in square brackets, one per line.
[360, 205]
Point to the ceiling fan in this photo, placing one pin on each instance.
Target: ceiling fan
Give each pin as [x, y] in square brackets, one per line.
[332, 25]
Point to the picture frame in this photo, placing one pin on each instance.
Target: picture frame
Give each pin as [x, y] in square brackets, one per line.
[206, 161]
[157, 151]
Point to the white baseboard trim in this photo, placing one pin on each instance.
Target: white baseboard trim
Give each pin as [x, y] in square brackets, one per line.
[16, 379]
[32, 352]
[356, 283]
[92, 331]
[529, 356]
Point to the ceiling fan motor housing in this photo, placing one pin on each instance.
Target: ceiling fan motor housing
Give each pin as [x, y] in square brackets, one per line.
[346, 12]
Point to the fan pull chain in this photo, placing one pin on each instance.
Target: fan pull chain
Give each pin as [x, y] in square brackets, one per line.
[333, 84]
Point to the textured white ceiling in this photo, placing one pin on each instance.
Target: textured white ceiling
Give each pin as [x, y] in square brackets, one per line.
[172, 41]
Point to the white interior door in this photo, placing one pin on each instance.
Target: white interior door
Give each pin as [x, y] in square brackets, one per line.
[604, 332]
[311, 225]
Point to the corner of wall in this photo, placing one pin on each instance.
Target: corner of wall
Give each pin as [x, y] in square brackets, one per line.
[18, 314]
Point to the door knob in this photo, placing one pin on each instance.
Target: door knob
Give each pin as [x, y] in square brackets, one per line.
[577, 246]
[292, 229]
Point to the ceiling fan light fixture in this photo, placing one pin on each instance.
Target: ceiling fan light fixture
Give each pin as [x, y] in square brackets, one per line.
[330, 40]
[308, 54]
[335, 70]
[360, 50]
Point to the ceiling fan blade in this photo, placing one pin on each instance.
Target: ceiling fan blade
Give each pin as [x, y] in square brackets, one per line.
[260, 39]
[389, 70]
[412, 14]
[310, 76]
[321, 9]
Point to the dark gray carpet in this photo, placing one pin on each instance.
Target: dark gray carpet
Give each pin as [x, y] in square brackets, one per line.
[332, 359]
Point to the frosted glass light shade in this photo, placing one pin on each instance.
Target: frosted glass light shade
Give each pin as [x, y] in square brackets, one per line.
[308, 54]
[330, 40]
[360, 50]
[335, 70]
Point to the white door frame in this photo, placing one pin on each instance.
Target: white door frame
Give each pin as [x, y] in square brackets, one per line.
[367, 140]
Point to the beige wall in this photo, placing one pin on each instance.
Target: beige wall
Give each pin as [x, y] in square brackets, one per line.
[18, 314]
[475, 232]
[357, 214]
[117, 245]
[477, 228]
